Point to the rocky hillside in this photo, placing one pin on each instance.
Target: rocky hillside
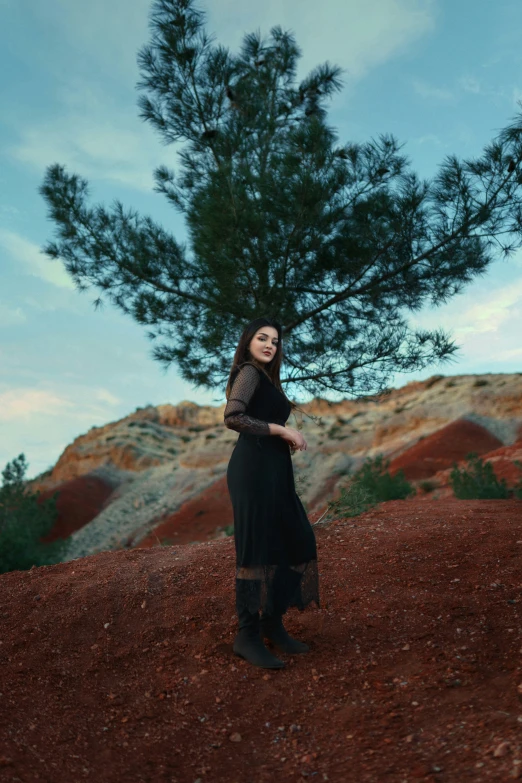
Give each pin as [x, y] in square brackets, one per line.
[159, 474]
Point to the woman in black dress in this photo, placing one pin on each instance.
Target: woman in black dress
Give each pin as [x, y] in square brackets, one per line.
[276, 554]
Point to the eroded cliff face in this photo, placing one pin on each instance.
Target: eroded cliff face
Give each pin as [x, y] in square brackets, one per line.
[159, 459]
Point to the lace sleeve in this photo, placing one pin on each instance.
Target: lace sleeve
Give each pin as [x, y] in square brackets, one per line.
[243, 388]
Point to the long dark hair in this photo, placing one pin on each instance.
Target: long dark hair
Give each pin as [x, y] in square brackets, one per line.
[242, 355]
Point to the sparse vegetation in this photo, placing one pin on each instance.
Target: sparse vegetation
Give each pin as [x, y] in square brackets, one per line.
[370, 485]
[518, 487]
[24, 521]
[432, 381]
[477, 481]
[427, 486]
[481, 382]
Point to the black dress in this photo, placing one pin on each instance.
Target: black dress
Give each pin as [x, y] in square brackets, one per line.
[276, 553]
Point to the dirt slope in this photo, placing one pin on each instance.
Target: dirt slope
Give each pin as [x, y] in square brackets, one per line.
[440, 450]
[117, 668]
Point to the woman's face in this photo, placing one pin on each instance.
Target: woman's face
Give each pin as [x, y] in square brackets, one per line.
[263, 345]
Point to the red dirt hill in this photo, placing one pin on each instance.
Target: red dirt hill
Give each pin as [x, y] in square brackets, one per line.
[444, 447]
[197, 519]
[78, 502]
[118, 667]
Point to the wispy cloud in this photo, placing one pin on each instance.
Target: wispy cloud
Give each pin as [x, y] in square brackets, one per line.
[94, 138]
[491, 311]
[432, 92]
[486, 321]
[30, 260]
[25, 403]
[356, 34]
[106, 396]
[470, 84]
[430, 138]
[41, 422]
[11, 316]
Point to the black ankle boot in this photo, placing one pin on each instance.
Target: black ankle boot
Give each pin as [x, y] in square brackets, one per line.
[272, 628]
[249, 645]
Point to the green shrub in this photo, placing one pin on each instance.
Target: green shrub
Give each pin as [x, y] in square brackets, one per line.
[481, 382]
[517, 489]
[371, 484]
[427, 486]
[477, 481]
[229, 530]
[24, 522]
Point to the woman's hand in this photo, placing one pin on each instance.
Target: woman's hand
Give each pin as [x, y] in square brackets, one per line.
[294, 439]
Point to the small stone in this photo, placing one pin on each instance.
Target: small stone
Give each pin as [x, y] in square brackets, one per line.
[406, 647]
[218, 700]
[144, 604]
[235, 737]
[501, 750]
[106, 625]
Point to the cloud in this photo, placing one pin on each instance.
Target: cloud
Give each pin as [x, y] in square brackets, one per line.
[41, 422]
[356, 34]
[33, 261]
[432, 93]
[491, 311]
[485, 321]
[95, 129]
[100, 36]
[25, 403]
[11, 316]
[429, 138]
[470, 84]
[94, 139]
[106, 396]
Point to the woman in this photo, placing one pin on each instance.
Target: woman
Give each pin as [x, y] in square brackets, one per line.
[276, 554]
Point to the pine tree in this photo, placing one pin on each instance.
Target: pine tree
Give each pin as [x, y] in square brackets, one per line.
[337, 241]
[24, 522]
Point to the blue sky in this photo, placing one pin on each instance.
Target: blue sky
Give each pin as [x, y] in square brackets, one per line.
[443, 76]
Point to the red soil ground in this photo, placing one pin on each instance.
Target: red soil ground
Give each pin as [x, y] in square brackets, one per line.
[444, 447]
[78, 502]
[118, 667]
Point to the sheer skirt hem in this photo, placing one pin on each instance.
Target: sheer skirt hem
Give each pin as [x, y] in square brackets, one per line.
[272, 589]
